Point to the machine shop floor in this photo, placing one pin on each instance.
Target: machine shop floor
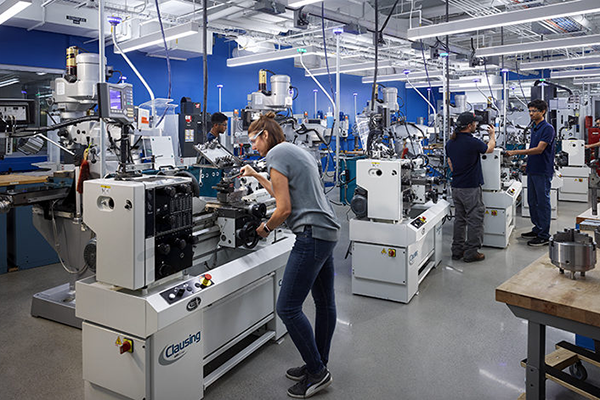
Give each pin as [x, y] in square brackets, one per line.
[452, 341]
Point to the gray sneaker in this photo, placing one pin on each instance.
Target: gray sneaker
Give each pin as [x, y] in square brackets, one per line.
[310, 385]
[296, 374]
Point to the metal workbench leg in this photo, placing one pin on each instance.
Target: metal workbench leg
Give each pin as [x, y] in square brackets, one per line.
[536, 358]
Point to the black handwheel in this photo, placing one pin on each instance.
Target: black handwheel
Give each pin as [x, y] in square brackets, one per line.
[578, 371]
[248, 234]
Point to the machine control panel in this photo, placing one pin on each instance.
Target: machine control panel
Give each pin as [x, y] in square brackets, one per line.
[115, 101]
[419, 222]
[187, 288]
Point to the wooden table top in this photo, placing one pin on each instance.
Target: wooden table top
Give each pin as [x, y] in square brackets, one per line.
[540, 287]
[14, 179]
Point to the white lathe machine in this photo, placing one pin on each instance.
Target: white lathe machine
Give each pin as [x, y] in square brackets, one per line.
[394, 246]
[166, 300]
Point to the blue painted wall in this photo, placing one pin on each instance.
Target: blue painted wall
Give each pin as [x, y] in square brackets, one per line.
[44, 49]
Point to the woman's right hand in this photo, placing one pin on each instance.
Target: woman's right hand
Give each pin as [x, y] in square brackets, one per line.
[247, 170]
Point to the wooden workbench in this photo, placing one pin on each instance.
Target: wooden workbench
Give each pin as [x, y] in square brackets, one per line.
[14, 179]
[587, 214]
[543, 296]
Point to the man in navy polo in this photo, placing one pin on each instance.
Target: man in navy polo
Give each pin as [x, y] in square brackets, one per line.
[464, 157]
[540, 168]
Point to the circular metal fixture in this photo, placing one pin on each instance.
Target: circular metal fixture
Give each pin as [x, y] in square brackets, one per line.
[573, 251]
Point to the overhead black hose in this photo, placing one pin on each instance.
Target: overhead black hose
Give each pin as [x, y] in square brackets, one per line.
[539, 81]
[162, 31]
[389, 16]
[42, 129]
[204, 64]
[376, 44]
[325, 48]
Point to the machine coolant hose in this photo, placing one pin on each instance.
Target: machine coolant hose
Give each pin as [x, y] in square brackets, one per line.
[319, 85]
[150, 92]
[424, 98]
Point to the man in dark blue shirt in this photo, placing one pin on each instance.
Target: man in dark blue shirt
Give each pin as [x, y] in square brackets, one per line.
[219, 125]
[464, 157]
[540, 168]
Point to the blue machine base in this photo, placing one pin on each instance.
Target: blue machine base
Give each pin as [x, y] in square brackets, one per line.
[26, 247]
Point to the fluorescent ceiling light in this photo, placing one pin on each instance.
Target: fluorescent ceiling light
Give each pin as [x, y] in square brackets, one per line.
[301, 3]
[586, 81]
[579, 41]
[176, 32]
[9, 82]
[423, 85]
[270, 56]
[354, 67]
[575, 74]
[561, 63]
[402, 77]
[10, 8]
[506, 19]
[466, 87]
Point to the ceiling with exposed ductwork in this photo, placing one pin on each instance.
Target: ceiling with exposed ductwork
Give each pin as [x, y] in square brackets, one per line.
[267, 25]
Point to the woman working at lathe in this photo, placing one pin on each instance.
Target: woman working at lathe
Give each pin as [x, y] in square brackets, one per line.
[300, 201]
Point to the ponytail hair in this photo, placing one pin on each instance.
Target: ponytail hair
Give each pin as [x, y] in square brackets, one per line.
[454, 132]
[268, 123]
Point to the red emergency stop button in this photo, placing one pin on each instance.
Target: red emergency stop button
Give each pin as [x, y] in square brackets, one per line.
[126, 347]
[206, 280]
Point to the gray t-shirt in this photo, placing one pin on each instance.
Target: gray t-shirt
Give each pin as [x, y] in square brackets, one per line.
[310, 207]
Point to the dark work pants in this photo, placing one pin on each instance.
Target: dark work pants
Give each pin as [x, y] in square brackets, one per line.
[538, 198]
[468, 221]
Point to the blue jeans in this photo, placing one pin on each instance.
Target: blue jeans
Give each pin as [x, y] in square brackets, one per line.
[309, 268]
[540, 209]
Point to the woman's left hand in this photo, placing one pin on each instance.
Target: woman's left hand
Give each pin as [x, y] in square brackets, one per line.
[262, 231]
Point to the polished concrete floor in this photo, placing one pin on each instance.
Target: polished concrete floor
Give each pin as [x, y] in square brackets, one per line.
[452, 341]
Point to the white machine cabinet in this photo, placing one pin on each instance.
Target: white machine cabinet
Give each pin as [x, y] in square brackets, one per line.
[178, 327]
[575, 148]
[389, 260]
[490, 166]
[556, 184]
[576, 174]
[381, 178]
[575, 184]
[499, 217]
[500, 198]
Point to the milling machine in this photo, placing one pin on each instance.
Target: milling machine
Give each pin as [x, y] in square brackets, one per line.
[309, 134]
